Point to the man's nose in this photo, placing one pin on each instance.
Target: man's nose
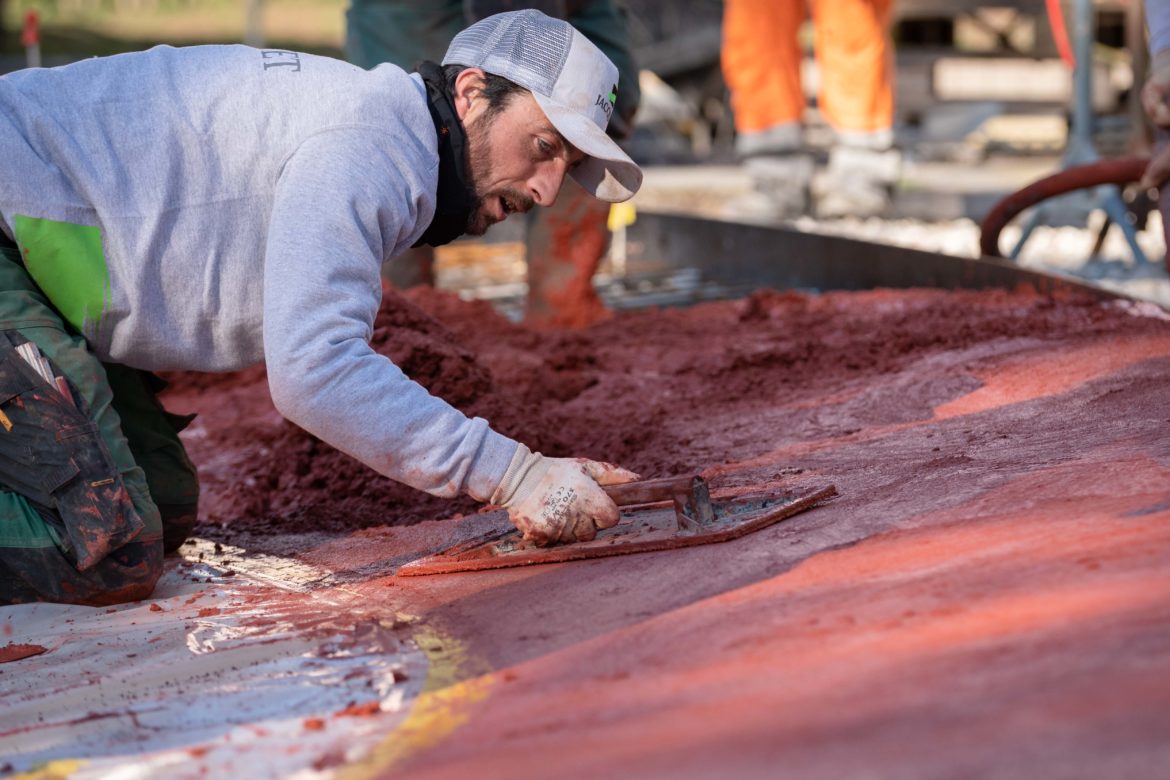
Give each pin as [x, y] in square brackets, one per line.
[547, 182]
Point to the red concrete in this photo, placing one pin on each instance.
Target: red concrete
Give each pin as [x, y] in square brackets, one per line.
[987, 597]
[14, 651]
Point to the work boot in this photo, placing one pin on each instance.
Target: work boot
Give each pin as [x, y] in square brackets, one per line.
[785, 180]
[780, 188]
[857, 183]
[780, 173]
[178, 522]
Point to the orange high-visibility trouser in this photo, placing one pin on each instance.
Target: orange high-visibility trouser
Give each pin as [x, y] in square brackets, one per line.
[761, 62]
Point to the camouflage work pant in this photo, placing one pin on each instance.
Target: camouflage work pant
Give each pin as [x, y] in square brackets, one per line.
[88, 488]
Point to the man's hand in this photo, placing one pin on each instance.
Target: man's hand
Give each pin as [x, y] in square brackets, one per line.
[1155, 94]
[1157, 89]
[557, 500]
[1158, 171]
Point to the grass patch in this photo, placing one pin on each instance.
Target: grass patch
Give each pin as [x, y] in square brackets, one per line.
[82, 28]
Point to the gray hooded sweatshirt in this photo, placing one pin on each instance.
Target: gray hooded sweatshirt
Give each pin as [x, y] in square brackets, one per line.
[206, 208]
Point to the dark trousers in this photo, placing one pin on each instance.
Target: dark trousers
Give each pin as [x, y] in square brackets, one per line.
[89, 488]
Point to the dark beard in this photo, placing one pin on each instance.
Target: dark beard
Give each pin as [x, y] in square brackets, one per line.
[477, 221]
[479, 168]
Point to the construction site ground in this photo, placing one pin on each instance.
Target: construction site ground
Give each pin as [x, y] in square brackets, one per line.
[986, 596]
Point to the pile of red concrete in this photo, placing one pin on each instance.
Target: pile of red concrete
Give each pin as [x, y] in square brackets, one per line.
[659, 391]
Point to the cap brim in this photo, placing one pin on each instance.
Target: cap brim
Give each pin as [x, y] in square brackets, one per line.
[607, 172]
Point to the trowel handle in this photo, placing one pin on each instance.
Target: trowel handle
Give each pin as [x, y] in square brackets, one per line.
[690, 495]
[648, 491]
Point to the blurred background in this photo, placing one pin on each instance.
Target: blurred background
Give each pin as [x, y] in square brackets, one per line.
[988, 97]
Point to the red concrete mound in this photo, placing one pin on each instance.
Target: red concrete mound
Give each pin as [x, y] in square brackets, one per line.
[649, 390]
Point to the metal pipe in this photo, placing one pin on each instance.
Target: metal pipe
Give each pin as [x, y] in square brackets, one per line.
[1082, 120]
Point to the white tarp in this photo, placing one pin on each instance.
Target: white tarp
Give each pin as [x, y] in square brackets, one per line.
[246, 668]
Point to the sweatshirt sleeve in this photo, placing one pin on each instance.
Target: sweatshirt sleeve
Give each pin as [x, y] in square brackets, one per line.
[1158, 20]
[343, 200]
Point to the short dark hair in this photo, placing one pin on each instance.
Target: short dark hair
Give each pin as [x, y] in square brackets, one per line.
[497, 89]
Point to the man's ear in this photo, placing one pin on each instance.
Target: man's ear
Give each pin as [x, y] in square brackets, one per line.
[468, 84]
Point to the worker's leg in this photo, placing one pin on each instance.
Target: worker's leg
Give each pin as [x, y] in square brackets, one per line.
[857, 100]
[607, 25]
[153, 435]
[77, 523]
[565, 244]
[400, 32]
[761, 61]
[855, 55]
[414, 267]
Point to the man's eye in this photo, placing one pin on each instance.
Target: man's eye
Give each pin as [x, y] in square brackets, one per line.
[544, 146]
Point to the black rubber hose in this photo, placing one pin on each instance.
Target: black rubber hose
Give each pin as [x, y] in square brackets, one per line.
[1120, 172]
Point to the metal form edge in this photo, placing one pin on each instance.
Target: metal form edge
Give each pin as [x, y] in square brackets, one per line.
[773, 256]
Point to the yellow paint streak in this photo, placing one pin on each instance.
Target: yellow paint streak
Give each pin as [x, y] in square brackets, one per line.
[54, 770]
[1035, 376]
[450, 662]
[455, 682]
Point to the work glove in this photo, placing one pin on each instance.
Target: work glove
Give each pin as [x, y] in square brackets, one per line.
[558, 500]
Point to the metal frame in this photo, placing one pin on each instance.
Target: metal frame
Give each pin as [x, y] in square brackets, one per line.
[744, 256]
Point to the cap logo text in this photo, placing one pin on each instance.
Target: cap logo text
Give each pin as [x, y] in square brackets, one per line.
[607, 101]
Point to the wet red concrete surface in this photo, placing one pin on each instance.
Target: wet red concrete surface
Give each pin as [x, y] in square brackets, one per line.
[987, 596]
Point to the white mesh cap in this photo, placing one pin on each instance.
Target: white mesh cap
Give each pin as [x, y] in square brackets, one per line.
[573, 83]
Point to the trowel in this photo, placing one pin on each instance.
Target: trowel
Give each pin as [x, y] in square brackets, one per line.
[657, 514]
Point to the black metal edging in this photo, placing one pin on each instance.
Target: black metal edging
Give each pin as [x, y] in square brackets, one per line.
[762, 256]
